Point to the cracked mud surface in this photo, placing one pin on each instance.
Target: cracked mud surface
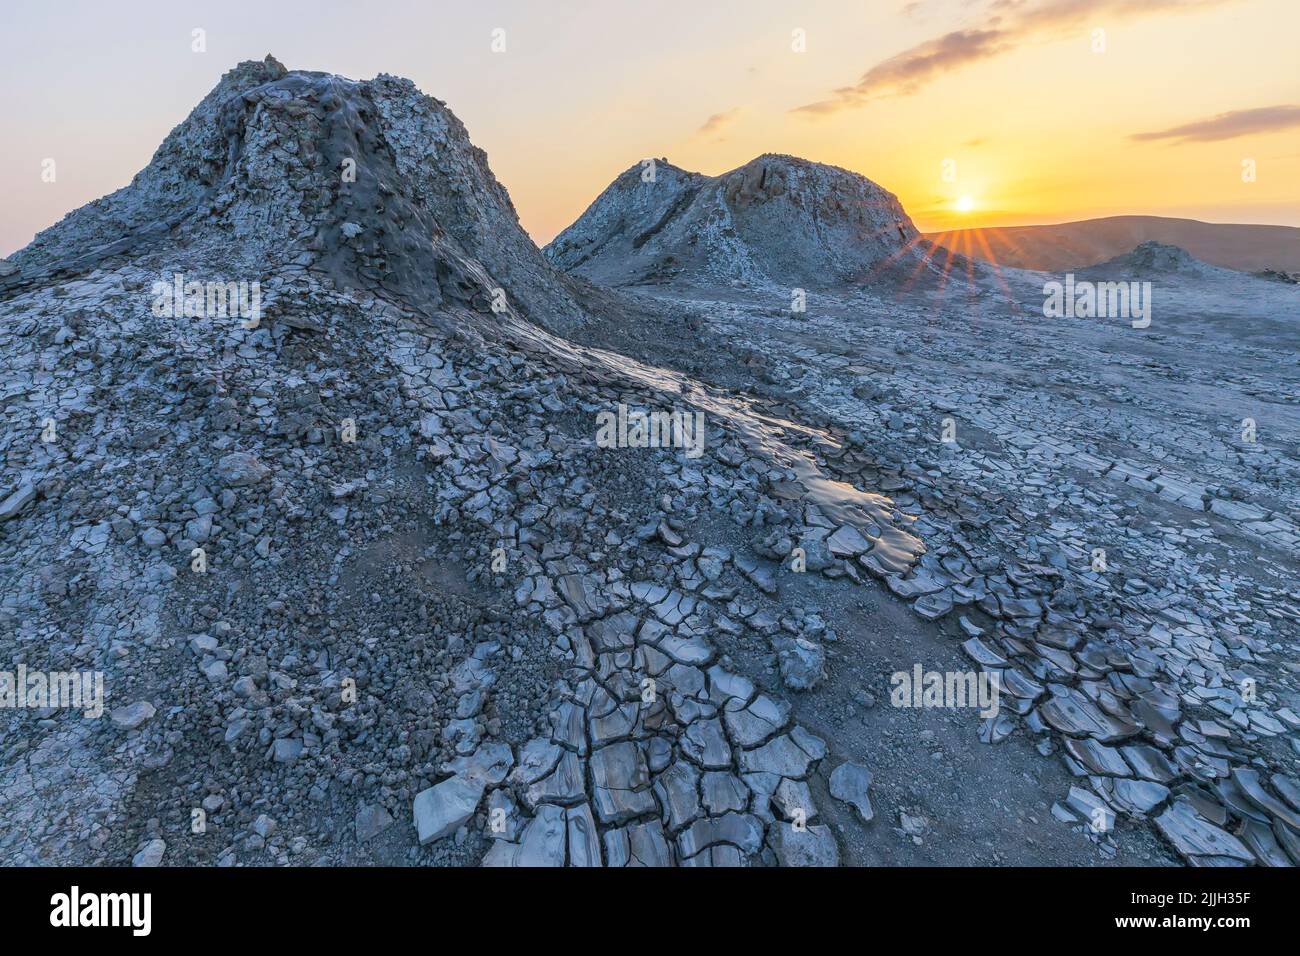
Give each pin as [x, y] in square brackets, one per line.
[460, 632]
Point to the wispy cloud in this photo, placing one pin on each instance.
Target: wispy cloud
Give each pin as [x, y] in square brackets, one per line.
[910, 70]
[715, 124]
[1008, 24]
[1263, 119]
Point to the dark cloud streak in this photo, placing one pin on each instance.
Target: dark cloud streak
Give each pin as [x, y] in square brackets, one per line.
[1008, 24]
[716, 123]
[1234, 123]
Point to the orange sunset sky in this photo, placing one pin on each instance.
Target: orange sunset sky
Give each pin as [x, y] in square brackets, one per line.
[1041, 118]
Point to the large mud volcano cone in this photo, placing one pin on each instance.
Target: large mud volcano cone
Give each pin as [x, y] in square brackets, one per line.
[776, 219]
[373, 181]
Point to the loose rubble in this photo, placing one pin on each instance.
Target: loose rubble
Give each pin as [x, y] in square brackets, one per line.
[364, 588]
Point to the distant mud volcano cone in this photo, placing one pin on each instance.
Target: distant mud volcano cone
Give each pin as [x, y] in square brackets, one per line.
[1158, 258]
[371, 180]
[776, 219]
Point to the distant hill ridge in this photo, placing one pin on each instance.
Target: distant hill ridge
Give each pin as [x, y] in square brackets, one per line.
[1075, 245]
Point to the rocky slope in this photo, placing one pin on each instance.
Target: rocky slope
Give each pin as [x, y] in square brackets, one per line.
[1104, 526]
[361, 583]
[777, 219]
[364, 585]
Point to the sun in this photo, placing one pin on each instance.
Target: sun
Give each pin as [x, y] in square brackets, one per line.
[965, 204]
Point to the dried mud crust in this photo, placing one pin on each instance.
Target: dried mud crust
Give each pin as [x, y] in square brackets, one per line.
[439, 625]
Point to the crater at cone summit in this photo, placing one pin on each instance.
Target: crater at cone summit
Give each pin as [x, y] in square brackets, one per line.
[370, 180]
[777, 218]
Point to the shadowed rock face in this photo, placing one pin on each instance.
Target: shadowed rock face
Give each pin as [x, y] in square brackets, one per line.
[374, 180]
[186, 171]
[776, 219]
